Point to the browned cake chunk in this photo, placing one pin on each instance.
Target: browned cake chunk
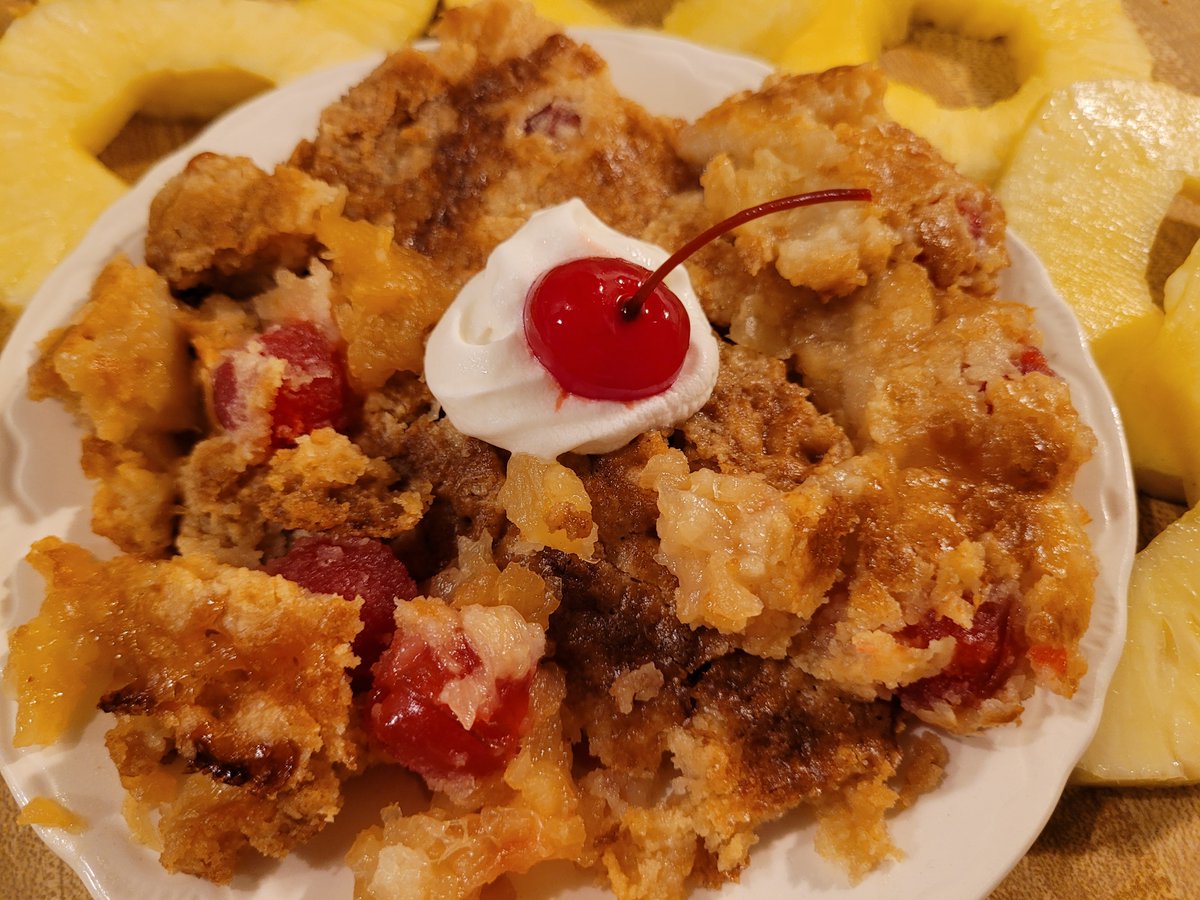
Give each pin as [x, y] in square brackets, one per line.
[456, 148]
[224, 223]
[830, 130]
[229, 687]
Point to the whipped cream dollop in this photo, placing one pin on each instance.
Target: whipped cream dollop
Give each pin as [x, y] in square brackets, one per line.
[479, 366]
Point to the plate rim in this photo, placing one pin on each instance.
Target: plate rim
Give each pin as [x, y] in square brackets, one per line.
[43, 313]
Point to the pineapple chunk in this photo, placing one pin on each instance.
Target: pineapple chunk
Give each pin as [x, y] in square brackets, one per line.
[564, 12]
[60, 191]
[73, 71]
[549, 504]
[1053, 44]
[1164, 435]
[1089, 184]
[49, 813]
[1150, 730]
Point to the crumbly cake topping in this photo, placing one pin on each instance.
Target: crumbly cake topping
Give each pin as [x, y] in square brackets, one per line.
[629, 660]
[233, 712]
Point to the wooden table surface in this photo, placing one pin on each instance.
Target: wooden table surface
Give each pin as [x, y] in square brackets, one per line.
[1100, 843]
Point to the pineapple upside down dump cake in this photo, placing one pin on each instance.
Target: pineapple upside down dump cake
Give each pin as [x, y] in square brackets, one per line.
[630, 660]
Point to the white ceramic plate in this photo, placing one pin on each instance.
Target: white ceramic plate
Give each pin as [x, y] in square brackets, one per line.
[958, 842]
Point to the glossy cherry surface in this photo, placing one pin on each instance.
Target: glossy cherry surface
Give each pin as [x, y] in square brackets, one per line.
[576, 328]
[406, 715]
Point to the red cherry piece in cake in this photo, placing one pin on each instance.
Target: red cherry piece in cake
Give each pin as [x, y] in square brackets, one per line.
[1033, 360]
[576, 329]
[314, 392]
[353, 567]
[984, 657]
[227, 399]
[970, 210]
[554, 119]
[407, 716]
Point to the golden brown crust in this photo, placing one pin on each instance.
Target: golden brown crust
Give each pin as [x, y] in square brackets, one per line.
[129, 324]
[136, 503]
[455, 149]
[757, 420]
[129, 321]
[237, 507]
[812, 132]
[224, 224]
[233, 678]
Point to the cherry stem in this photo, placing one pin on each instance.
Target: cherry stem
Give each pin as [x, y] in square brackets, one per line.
[630, 309]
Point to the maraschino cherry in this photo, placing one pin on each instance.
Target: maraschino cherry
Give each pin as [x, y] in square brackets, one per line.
[609, 329]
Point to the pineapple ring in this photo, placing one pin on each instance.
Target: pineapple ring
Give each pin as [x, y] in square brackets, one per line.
[383, 24]
[73, 71]
[1089, 184]
[1053, 43]
[564, 12]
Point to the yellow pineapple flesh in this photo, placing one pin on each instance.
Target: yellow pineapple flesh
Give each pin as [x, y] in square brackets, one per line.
[800, 29]
[73, 71]
[564, 12]
[1150, 730]
[549, 504]
[1160, 397]
[1052, 43]
[386, 24]
[802, 35]
[49, 813]
[389, 297]
[1089, 184]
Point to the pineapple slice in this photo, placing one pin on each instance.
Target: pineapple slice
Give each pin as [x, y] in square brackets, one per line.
[1053, 43]
[1088, 186]
[73, 71]
[564, 12]
[1150, 730]
[386, 24]
[801, 35]
[1164, 435]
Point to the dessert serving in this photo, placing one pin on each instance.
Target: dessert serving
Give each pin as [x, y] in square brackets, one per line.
[630, 648]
